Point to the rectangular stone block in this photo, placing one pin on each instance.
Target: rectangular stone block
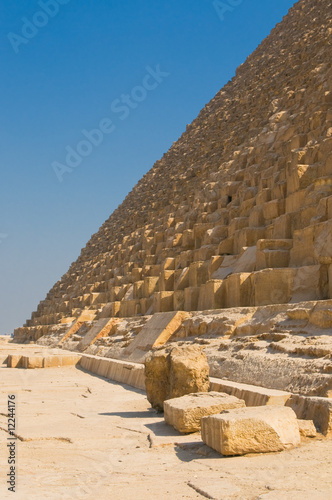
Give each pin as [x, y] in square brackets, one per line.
[191, 296]
[212, 295]
[150, 286]
[313, 408]
[163, 301]
[262, 429]
[251, 394]
[238, 290]
[272, 286]
[185, 413]
[14, 361]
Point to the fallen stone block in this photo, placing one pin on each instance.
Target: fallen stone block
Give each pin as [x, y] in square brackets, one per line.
[251, 394]
[251, 430]
[307, 428]
[313, 408]
[185, 413]
[14, 361]
[175, 372]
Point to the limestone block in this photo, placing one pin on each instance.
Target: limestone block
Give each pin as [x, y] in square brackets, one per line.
[273, 209]
[321, 315]
[168, 264]
[212, 295]
[163, 301]
[188, 240]
[136, 274]
[138, 289]
[261, 429]
[273, 253]
[146, 305]
[252, 395]
[181, 279]
[32, 362]
[215, 263]
[189, 371]
[191, 297]
[175, 372]
[198, 273]
[238, 291]
[157, 372]
[248, 237]
[199, 232]
[295, 201]
[14, 361]
[185, 413]
[166, 282]
[236, 224]
[128, 308]
[178, 300]
[205, 252]
[323, 242]
[319, 410]
[256, 218]
[115, 309]
[150, 286]
[272, 286]
[61, 360]
[306, 283]
[303, 253]
[226, 246]
[307, 428]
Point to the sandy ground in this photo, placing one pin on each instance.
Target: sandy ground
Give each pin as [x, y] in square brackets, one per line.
[83, 437]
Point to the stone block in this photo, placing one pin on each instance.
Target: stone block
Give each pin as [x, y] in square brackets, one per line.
[185, 413]
[238, 291]
[212, 295]
[307, 428]
[175, 372]
[191, 297]
[251, 394]
[163, 302]
[262, 429]
[14, 361]
[150, 286]
[166, 281]
[272, 286]
[319, 410]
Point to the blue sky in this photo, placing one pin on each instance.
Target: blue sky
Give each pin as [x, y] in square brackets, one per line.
[63, 68]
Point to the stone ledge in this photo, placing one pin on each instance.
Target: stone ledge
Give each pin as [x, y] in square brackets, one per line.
[114, 369]
[251, 394]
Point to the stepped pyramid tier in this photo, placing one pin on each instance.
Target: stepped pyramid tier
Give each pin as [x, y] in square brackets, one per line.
[227, 240]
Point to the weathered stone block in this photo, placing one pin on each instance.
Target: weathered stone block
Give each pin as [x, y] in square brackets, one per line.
[174, 372]
[185, 413]
[251, 430]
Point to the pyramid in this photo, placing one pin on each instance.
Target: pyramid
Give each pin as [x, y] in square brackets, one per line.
[227, 240]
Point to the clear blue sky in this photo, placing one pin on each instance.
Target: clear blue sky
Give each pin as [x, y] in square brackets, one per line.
[60, 78]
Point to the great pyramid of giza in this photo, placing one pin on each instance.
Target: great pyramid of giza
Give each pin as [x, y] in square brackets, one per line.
[227, 241]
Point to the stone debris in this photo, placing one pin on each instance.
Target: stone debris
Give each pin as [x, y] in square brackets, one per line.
[307, 428]
[251, 430]
[185, 413]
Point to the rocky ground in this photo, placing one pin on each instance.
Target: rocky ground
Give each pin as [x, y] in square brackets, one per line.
[80, 436]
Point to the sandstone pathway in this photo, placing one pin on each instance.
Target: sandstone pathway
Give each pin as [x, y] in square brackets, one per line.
[82, 437]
